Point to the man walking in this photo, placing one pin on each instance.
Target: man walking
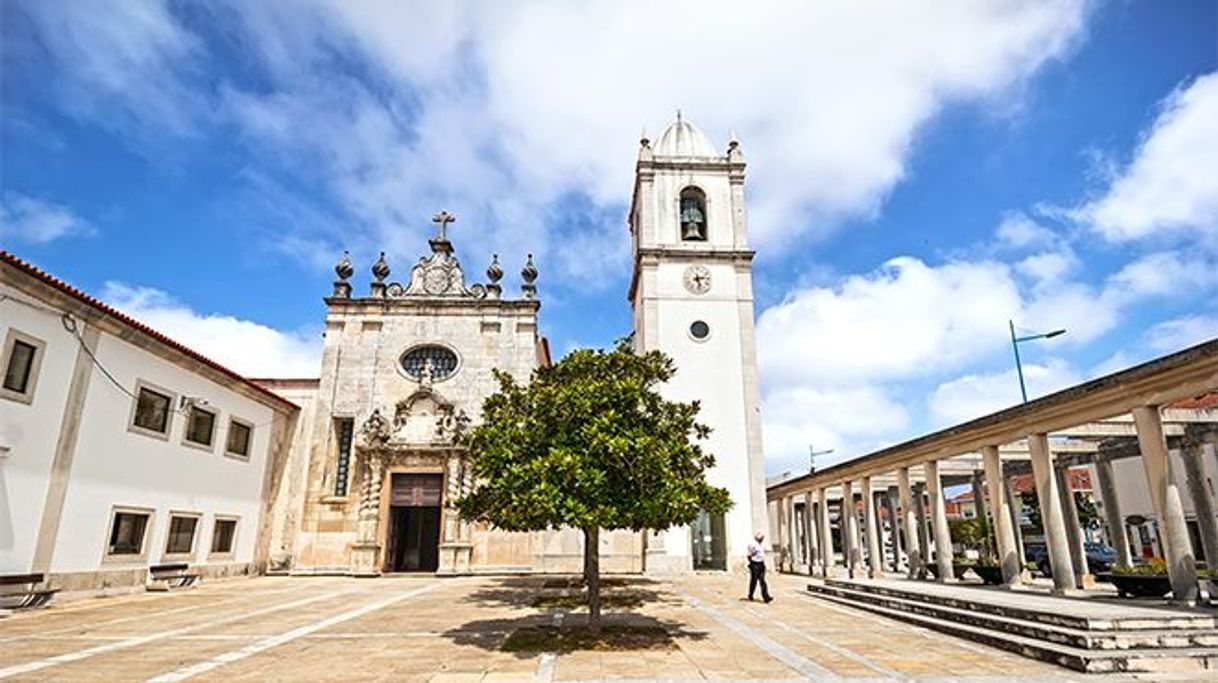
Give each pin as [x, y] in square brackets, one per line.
[757, 568]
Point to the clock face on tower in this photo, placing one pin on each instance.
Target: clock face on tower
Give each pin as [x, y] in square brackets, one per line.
[697, 279]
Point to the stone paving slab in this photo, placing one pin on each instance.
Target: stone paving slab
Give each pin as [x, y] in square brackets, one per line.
[433, 630]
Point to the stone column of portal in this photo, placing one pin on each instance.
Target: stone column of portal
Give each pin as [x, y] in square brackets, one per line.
[1074, 529]
[875, 558]
[1056, 540]
[1000, 513]
[909, 518]
[1165, 495]
[1015, 503]
[938, 511]
[894, 526]
[850, 532]
[786, 532]
[827, 559]
[1118, 535]
[1194, 473]
[923, 531]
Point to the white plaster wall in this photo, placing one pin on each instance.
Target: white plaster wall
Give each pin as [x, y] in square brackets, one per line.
[1134, 494]
[114, 466]
[29, 432]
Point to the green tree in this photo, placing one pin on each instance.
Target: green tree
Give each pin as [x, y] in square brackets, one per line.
[589, 443]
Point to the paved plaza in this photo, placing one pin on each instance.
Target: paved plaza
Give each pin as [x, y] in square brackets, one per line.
[449, 630]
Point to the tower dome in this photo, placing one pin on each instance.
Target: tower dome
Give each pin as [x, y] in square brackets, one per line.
[683, 139]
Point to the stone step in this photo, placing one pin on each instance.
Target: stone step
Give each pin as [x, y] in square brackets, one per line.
[1145, 660]
[1074, 637]
[1138, 617]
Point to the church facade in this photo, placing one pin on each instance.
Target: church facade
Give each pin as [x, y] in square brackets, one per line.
[377, 462]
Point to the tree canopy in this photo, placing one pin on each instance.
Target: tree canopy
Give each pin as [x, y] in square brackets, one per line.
[590, 443]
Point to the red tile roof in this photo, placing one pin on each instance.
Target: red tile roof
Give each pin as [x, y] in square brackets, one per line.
[54, 282]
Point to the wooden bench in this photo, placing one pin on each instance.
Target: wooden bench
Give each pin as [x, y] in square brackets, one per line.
[164, 577]
[22, 591]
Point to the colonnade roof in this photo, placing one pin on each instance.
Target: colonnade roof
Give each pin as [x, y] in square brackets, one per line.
[1184, 375]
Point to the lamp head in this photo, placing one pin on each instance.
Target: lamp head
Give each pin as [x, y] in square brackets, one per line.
[1054, 333]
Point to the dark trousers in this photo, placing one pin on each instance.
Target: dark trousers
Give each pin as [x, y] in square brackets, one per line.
[757, 576]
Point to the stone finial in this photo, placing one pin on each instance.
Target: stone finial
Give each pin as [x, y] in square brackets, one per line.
[528, 277]
[733, 148]
[380, 271]
[344, 270]
[644, 139]
[494, 273]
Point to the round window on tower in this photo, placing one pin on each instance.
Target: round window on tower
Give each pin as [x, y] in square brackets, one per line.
[430, 362]
[699, 330]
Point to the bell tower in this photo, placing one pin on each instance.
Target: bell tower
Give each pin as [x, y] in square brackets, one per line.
[692, 297]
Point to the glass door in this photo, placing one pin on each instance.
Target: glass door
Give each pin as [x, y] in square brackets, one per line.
[709, 542]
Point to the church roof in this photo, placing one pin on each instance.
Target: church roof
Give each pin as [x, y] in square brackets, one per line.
[683, 139]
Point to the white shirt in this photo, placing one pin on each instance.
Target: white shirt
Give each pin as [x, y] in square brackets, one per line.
[756, 552]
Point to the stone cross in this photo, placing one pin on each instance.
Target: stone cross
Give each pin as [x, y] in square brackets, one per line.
[443, 219]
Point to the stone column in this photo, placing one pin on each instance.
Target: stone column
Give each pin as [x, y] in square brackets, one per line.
[827, 559]
[909, 518]
[938, 511]
[1074, 529]
[875, 557]
[1015, 503]
[1051, 517]
[894, 526]
[850, 532]
[1000, 513]
[810, 532]
[923, 527]
[1166, 498]
[1114, 519]
[979, 498]
[1194, 473]
[786, 532]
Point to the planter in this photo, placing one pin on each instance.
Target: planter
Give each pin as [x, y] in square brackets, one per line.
[958, 570]
[991, 575]
[1140, 585]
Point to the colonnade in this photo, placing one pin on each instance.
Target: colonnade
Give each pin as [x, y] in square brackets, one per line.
[918, 534]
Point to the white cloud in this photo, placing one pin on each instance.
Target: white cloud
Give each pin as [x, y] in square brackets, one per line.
[35, 221]
[1170, 185]
[1018, 231]
[904, 320]
[1180, 333]
[974, 395]
[473, 106]
[247, 347]
[846, 420]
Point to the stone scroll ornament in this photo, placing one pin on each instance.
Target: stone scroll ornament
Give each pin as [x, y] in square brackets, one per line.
[440, 274]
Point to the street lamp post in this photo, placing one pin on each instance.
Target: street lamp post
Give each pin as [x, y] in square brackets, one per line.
[812, 453]
[1015, 341]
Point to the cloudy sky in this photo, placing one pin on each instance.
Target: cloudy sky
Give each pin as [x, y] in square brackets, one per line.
[920, 173]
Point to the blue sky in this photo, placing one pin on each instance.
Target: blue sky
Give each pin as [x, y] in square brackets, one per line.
[919, 174]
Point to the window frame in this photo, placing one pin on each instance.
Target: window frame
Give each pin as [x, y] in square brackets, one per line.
[215, 419]
[31, 383]
[141, 557]
[140, 386]
[166, 553]
[249, 446]
[232, 545]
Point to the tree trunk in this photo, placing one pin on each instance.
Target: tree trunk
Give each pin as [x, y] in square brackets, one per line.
[592, 577]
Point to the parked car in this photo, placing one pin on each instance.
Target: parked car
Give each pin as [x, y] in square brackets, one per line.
[1100, 557]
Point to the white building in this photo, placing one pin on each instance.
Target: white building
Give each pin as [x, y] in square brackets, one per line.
[121, 449]
[692, 296]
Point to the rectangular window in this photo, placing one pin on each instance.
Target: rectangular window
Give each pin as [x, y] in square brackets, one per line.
[239, 435]
[127, 533]
[181, 534]
[152, 411]
[200, 426]
[22, 354]
[345, 428]
[20, 366]
[222, 536]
